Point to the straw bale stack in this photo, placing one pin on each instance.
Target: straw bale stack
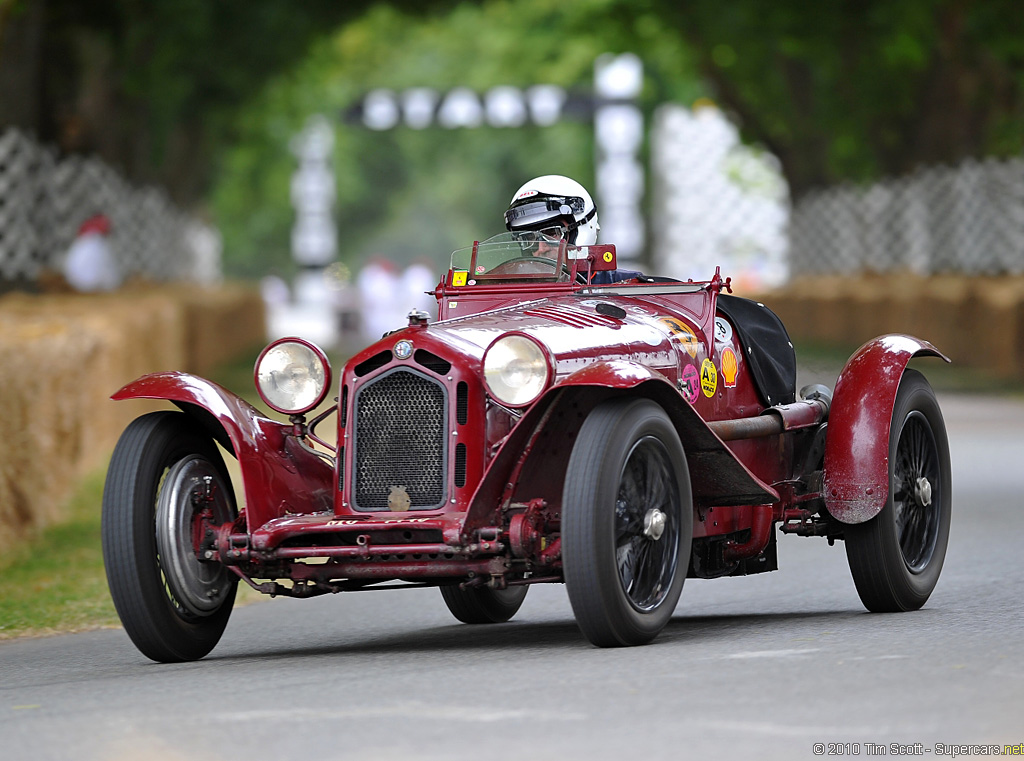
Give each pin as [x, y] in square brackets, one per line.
[63, 355]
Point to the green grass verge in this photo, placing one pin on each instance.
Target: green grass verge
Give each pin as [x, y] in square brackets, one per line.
[56, 582]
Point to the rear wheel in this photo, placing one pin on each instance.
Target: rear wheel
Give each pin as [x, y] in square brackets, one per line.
[896, 557]
[482, 605]
[165, 476]
[627, 523]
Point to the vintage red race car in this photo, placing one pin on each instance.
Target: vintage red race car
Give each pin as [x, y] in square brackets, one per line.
[553, 425]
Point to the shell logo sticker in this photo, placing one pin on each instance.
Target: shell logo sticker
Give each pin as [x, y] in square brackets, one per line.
[459, 278]
[689, 384]
[683, 332]
[608, 256]
[729, 368]
[708, 378]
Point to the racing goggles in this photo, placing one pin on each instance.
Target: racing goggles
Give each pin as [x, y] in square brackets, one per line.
[542, 213]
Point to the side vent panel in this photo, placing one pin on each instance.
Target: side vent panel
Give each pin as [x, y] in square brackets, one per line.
[432, 362]
[461, 403]
[460, 465]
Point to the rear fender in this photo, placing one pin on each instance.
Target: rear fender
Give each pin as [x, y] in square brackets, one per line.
[532, 461]
[857, 444]
[279, 474]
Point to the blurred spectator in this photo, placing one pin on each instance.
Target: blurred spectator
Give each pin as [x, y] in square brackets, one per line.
[382, 296]
[90, 264]
[276, 293]
[418, 283]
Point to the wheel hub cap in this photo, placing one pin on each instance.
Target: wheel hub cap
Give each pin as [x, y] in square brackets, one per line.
[199, 587]
[654, 524]
[923, 492]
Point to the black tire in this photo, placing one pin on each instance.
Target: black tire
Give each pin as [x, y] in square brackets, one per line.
[173, 606]
[623, 577]
[482, 605]
[896, 557]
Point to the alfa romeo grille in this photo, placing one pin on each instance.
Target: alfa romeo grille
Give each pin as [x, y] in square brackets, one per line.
[401, 446]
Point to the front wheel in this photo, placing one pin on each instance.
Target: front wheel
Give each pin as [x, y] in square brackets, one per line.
[482, 605]
[627, 523]
[895, 558]
[165, 477]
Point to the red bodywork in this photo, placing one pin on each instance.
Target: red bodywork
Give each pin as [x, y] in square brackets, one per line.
[857, 455]
[503, 469]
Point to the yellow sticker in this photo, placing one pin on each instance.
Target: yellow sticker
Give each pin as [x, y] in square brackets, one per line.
[729, 368]
[683, 332]
[607, 256]
[459, 278]
[708, 378]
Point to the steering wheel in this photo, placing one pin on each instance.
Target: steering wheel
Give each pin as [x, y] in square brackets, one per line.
[521, 266]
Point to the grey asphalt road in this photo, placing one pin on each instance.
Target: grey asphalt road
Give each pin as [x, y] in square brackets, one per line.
[762, 667]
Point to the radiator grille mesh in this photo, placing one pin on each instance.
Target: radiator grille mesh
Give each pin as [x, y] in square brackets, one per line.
[400, 441]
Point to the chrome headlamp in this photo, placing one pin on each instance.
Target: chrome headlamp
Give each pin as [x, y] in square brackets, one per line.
[516, 369]
[292, 376]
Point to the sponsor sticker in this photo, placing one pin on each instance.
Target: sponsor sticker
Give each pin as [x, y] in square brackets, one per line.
[708, 378]
[689, 384]
[607, 256]
[480, 269]
[723, 331]
[683, 332]
[452, 304]
[459, 278]
[729, 368]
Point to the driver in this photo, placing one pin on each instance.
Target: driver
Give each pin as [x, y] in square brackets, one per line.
[558, 208]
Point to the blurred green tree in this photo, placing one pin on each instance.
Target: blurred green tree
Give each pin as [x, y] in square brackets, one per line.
[858, 89]
[153, 86]
[412, 194]
[204, 97]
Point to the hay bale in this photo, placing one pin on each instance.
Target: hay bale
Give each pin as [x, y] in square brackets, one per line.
[63, 355]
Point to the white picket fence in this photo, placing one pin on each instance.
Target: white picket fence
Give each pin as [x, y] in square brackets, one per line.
[965, 219]
[44, 199]
[716, 202]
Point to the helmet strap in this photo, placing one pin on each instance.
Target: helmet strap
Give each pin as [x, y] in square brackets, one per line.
[574, 227]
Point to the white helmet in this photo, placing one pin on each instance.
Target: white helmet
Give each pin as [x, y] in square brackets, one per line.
[554, 201]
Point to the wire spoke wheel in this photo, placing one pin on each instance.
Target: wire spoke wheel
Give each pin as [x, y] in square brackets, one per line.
[646, 533]
[916, 499]
[896, 557]
[627, 523]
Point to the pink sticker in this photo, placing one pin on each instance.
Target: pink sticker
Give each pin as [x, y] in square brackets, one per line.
[689, 384]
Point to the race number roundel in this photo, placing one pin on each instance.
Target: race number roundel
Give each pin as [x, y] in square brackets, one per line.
[689, 384]
[708, 378]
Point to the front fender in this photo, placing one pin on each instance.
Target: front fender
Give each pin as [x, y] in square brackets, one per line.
[537, 450]
[279, 475]
[857, 445]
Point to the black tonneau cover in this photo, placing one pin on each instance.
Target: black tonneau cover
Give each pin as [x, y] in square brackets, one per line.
[766, 346]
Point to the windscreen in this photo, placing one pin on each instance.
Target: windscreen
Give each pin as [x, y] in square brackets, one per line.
[510, 257]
